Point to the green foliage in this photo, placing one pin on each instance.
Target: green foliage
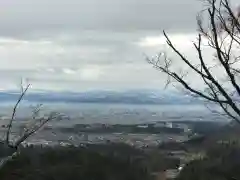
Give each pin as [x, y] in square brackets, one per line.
[158, 162]
[222, 163]
[72, 163]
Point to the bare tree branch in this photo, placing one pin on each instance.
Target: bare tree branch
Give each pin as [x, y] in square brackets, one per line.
[176, 77]
[31, 131]
[223, 36]
[14, 112]
[36, 123]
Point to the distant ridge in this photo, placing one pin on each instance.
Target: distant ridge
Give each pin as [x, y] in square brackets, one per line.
[126, 97]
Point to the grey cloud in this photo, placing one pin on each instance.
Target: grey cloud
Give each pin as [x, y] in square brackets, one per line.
[27, 17]
[31, 17]
[97, 47]
[101, 33]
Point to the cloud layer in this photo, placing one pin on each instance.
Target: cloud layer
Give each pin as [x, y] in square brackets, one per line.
[77, 45]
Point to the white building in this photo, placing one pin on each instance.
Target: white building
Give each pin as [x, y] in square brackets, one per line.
[169, 124]
[143, 126]
[160, 124]
[163, 124]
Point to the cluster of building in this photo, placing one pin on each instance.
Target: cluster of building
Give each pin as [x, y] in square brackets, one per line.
[165, 124]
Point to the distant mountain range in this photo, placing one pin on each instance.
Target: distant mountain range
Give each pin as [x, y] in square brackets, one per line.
[126, 97]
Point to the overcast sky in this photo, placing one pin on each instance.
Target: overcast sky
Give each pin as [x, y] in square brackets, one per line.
[78, 45]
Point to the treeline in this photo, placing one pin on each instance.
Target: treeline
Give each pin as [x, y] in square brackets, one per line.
[222, 162]
[94, 162]
[121, 129]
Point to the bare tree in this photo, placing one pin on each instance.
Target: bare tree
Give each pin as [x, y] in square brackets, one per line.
[35, 123]
[221, 34]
